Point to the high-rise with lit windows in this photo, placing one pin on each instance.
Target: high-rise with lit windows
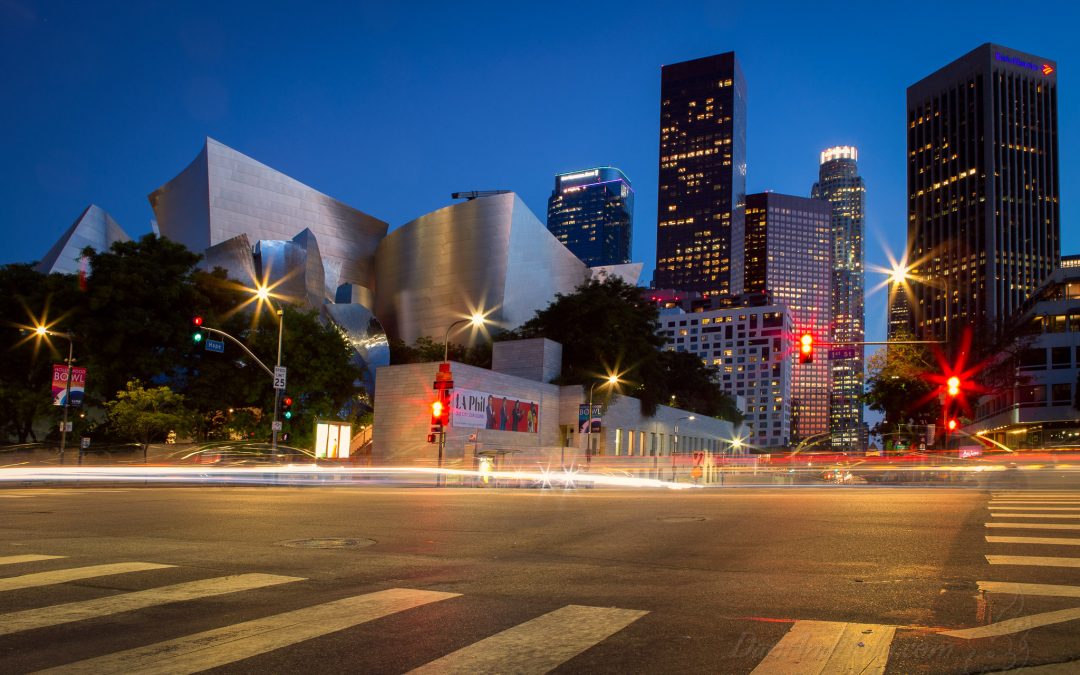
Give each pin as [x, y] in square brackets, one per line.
[592, 213]
[983, 214]
[788, 253]
[702, 180]
[839, 184]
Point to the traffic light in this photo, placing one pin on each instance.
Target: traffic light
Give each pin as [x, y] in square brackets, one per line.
[952, 386]
[286, 407]
[197, 336]
[437, 411]
[806, 348]
[952, 424]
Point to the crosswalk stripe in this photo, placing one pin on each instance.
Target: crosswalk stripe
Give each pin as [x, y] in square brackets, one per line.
[1015, 625]
[1037, 508]
[1056, 541]
[1036, 526]
[13, 559]
[1014, 588]
[213, 648]
[74, 574]
[538, 645]
[1035, 515]
[1032, 560]
[813, 647]
[13, 622]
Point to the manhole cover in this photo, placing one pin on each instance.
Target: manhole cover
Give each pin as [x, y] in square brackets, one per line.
[331, 542]
[681, 519]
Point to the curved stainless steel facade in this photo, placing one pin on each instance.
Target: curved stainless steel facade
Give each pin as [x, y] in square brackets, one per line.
[94, 228]
[489, 254]
[224, 193]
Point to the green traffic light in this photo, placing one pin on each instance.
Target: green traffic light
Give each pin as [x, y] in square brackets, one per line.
[288, 414]
[197, 337]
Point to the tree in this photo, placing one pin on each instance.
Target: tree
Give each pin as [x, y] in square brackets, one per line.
[606, 326]
[426, 350]
[900, 386]
[144, 415]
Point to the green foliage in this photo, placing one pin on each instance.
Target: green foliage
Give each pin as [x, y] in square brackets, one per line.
[145, 415]
[607, 326]
[426, 350]
[898, 386]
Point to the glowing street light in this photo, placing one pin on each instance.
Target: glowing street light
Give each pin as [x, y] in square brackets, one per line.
[263, 294]
[476, 320]
[610, 381]
[675, 449]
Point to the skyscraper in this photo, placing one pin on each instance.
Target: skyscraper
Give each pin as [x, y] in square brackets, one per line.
[899, 311]
[592, 213]
[839, 184]
[702, 181]
[789, 254]
[983, 214]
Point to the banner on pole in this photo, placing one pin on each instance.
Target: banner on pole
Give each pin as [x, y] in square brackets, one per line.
[60, 388]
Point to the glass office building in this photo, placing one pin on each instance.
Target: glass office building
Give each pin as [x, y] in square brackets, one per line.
[592, 213]
[839, 184]
[702, 179]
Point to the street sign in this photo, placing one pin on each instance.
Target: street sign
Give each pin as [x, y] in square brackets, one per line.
[841, 353]
[215, 346]
[84, 442]
[279, 377]
[67, 429]
[275, 425]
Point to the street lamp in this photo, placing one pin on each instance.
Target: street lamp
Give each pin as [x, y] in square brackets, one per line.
[42, 331]
[476, 320]
[262, 292]
[675, 450]
[610, 381]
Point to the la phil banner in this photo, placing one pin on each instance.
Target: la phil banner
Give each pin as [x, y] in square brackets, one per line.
[59, 384]
[481, 410]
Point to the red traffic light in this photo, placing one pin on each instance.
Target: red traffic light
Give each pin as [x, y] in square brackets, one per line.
[952, 386]
[952, 424]
[806, 348]
[287, 401]
[197, 320]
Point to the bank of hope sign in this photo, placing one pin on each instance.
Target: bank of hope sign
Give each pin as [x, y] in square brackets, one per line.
[483, 410]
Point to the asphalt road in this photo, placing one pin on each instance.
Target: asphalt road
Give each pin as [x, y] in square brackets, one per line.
[515, 580]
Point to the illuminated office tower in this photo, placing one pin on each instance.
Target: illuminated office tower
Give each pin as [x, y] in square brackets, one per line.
[899, 311]
[983, 214]
[839, 184]
[788, 253]
[702, 180]
[592, 213]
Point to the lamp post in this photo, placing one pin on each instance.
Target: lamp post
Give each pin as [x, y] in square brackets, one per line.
[476, 320]
[610, 381]
[675, 450]
[41, 331]
[263, 294]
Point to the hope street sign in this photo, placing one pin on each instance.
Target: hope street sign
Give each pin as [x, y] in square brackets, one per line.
[215, 346]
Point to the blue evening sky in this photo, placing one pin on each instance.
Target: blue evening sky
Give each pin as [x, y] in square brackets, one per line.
[391, 106]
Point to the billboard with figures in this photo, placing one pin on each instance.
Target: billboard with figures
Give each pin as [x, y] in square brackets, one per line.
[483, 410]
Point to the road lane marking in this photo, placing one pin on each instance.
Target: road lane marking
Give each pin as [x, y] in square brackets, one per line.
[1056, 541]
[813, 647]
[1015, 625]
[539, 645]
[1032, 560]
[213, 648]
[13, 622]
[1035, 515]
[1014, 588]
[74, 574]
[1045, 502]
[1036, 526]
[13, 559]
[1037, 508]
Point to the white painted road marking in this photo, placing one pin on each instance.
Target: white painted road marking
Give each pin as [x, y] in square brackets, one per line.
[1054, 541]
[1035, 515]
[1015, 625]
[13, 559]
[1055, 590]
[74, 574]
[1036, 526]
[29, 619]
[813, 647]
[213, 648]
[1032, 560]
[1045, 502]
[539, 645]
[1037, 508]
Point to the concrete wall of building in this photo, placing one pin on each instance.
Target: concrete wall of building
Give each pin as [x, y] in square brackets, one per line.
[539, 359]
